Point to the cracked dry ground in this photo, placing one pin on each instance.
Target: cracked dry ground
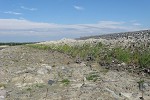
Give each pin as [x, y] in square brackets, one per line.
[32, 74]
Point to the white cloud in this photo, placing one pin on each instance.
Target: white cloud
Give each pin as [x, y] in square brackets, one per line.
[26, 8]
[78, 7]
[23, 24]
[11, 12]
[24, 27]
[136, 24]
[110, 23]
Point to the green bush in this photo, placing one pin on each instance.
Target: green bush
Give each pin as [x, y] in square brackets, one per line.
[123, 55]
[81, 51]
[135, 57]
[144, 59]
[15, 43]
[100, 52]
[65, 81]
[92, 77]
[29, 89]
[40, 46]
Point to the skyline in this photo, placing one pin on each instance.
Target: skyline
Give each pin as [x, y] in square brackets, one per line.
[31, 20]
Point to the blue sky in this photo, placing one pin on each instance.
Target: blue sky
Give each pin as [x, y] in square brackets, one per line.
[43, 20]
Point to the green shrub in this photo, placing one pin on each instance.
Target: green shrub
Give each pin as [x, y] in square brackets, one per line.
[75, 51]
[38, 85]
[92, 77]
[40, 46]
[135, 57]
[123, 55]
[29, 89]
[144, 59]
[139, 56]
[65, 81]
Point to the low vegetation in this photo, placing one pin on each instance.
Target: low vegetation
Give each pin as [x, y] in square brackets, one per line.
[16, 43]
[99, 52]
[144, 59]
[92, 77]
[65, 81]
[81, 51]
[121, 54]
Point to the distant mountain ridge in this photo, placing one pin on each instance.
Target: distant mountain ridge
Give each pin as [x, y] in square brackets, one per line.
[135, 34]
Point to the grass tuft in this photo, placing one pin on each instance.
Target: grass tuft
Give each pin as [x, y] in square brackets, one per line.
[65, 81]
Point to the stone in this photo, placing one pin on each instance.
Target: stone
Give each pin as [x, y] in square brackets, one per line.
[2, 98]
[89, 58]
[146, 86]
[78, 61]
[141, 98]
[50, 82]
[48, 67]
[42, 71]
[2, 94]
[127, 95]
[123, 64]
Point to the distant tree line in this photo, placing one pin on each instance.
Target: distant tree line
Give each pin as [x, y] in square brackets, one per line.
[16, 43]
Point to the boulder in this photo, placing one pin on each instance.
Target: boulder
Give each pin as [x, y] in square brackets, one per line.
[50, 82]
[2, 94]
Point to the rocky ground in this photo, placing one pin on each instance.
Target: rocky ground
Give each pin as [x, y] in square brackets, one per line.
[127, 35]
[32, 74]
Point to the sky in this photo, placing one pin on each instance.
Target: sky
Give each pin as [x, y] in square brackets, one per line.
[46, 20]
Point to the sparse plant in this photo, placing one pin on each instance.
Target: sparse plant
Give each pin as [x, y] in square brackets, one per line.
[144, 59]
[15, 43]
[60, 75]
[75, 51]
[105, 71]
[92, 77]
[101, 53]
[65, 81]
[40, 85]
[122, 54]
[29, 89]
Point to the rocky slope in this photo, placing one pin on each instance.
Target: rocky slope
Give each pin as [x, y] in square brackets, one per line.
[31, 74]
[135, 34]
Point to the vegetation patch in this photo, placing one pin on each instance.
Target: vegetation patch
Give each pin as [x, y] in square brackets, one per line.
[144, 59]
[121, 54]
[81, 51]
[103, 54]
[92, 77]
[65, 81]
[16, 43]
[38, 85]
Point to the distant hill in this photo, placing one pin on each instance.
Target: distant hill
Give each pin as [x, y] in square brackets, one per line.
[135, 34]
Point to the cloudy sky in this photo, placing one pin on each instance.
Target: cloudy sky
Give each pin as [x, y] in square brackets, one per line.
[44, 20]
